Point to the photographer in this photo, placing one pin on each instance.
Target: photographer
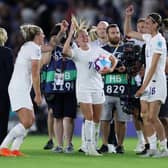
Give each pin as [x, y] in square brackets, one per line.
[134, 58]
[114, 86]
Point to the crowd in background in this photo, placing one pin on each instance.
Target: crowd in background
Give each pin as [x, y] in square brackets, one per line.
[46, 13]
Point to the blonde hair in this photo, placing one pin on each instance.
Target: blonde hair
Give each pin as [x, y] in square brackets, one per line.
[3, 36]
[93, 34]
[29, 31]
[80, 26]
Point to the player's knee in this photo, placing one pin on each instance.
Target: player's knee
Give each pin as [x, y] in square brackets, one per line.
[144, 116]
[152, 119]
[96, 118]
[28, 122]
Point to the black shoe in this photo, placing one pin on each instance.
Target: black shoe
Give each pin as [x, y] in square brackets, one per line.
[103, 149]
[120, 149]
[49, 145]
[144, 151]
[80, 150]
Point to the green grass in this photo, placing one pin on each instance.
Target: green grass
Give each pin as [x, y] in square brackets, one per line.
[37, 157]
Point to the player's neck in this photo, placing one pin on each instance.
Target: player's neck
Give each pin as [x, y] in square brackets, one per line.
[84, 47]
[103, 40]
[154, 33]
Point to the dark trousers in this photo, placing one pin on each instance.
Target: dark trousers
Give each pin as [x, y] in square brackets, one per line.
[4, 115]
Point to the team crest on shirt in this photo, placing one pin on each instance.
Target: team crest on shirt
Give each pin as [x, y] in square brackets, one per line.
[159, 44]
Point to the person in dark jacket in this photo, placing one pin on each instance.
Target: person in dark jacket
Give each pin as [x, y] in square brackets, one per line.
[6, 68]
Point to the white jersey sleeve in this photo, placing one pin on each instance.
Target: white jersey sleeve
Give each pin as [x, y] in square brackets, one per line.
[146, 37]
[75, 52]
[35, 53]
[158, 46]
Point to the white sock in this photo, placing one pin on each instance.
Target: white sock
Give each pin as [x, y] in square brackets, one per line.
[18, 130]
[163, 145]
[83, 135]
[152, 141]
[95, 133]
[18, 141]
[140, 136]
[88, 126]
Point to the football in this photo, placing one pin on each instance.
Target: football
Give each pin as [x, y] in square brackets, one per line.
[101, 63]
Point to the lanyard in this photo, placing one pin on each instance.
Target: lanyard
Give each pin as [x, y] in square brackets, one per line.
[115, 50]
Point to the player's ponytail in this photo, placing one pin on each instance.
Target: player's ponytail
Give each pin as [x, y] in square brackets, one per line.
[29, 31]
[79, 26]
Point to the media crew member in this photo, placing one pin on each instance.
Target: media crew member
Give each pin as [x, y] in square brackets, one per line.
[60, 89]
[114, 87]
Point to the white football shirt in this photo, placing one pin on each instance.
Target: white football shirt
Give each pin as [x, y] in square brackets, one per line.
[156, 44]
[88, 79]
[22, 76]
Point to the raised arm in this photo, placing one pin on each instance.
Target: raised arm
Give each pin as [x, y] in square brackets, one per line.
[57, 38]
[67, 48]
[127, 24]
[46, 54]
[54, 40]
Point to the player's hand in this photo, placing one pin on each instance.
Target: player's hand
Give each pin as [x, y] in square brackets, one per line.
[38, 99]
[129, 10]
[105, 70]
[64, 26]
[140, 92]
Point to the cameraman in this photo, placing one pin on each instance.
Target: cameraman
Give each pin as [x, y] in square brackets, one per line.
[113, 89]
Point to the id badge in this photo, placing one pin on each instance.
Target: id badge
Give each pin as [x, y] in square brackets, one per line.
[59, 78]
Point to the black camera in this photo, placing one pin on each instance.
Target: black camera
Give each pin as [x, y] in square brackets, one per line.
[132, 57]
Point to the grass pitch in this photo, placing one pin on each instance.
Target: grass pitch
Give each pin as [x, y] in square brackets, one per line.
[39, 158]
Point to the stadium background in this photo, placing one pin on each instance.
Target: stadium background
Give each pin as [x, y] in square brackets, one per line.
[46, 13]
